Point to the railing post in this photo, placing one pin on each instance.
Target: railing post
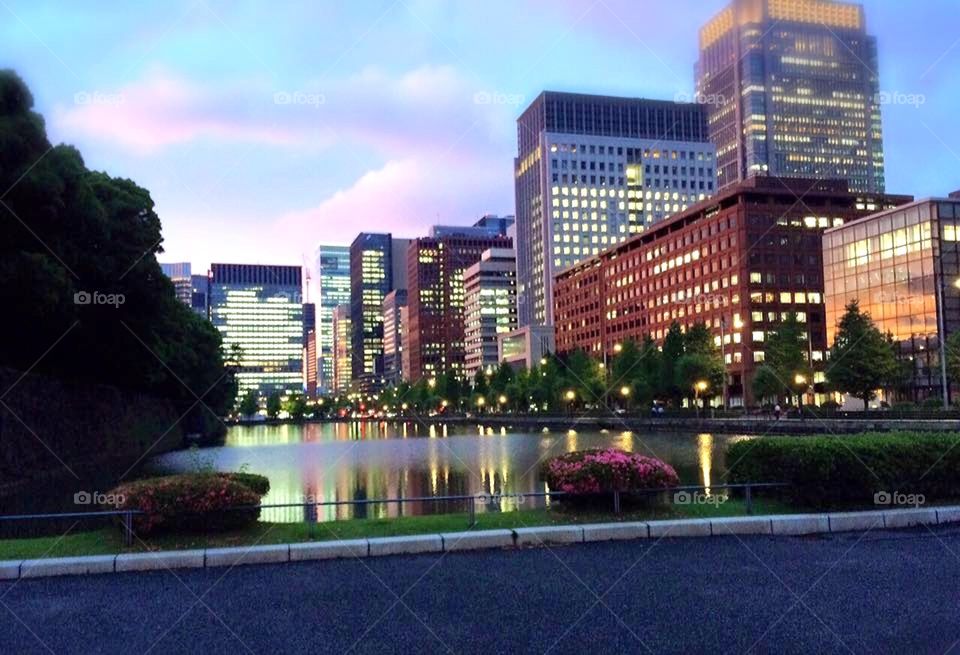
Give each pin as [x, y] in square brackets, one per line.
[472, 508]
[616, 502]
[128, 528]
[311, 520]
[749, 500]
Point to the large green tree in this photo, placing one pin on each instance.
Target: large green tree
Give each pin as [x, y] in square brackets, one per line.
[861, 359]
[83, 295]
[786, 370]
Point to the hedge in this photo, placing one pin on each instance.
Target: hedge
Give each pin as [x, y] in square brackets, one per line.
[190, 502]
[833, 470]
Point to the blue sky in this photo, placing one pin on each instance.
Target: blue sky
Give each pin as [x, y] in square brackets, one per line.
[263, 129]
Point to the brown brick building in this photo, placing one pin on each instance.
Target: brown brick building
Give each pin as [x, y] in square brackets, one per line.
[435, 299]
[738, 262]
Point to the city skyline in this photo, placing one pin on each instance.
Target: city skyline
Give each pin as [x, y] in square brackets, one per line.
[385, 106]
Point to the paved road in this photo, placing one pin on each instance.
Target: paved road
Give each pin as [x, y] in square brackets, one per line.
[882, 592]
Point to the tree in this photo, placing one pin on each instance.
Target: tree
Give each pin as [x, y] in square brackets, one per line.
[700, 362]
[274, 405]
[861, 359]
[673, 346]
[785, 359]
[68, 234]
[250, 403]
[952, 348]
[296, 406]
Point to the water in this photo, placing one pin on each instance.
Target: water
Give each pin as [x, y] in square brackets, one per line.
[320, 462]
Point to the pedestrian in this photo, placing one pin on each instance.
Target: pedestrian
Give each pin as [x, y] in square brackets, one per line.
[776, 411]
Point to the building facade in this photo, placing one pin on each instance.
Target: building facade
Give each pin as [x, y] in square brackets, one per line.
[179, 274]
[393, 306]
[200, 295]
[490, 307]
[740, 263]
[525, 347]
[260, 309]
[342, 345]
[590, 172]
[377, 267]
[435, 300]
[310, 349]
[333, 276]
[903, 267]
[792, 90]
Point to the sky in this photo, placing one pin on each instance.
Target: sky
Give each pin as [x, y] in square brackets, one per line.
[263, 129]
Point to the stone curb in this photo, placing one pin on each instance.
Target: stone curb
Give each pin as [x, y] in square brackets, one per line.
[775, 525]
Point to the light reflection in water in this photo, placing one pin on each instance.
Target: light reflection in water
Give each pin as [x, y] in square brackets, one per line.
[324, 462]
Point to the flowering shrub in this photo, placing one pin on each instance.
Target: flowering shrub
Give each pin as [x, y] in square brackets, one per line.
[606, 470]
[193, 501]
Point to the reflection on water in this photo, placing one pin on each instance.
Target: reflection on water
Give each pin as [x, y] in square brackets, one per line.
[323, 462]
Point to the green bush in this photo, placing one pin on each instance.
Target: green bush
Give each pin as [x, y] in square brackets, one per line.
[257, 483]
[833, 470]
[188, 502]
[830, 405]
[932, 403]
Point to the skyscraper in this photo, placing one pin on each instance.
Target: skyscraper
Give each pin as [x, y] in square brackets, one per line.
[393, 305]
[260, 308]
[310, 349]
[333, 275]
[791, 88]
[342, 338]
[592, 171]
[179, 274]
[377, 266]
[490, 306]
[435, 299]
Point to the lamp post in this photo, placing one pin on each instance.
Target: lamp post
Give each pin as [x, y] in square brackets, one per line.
[698, 389]
[801, 381]
[625, 394]
[481, 401]
[501, 400]
[617, 348]
[570, 396]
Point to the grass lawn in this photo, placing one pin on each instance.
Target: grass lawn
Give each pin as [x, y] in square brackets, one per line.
[109, 540]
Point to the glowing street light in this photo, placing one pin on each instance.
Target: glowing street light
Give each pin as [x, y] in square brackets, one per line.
[570, 395]
[404, 406]
[698, 388]
[502, 399]
[625, 391]
[617, 347]
[432, 382]
[444, 403]
[543, 360]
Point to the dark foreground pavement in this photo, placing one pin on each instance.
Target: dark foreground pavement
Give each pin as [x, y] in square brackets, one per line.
[880, 592]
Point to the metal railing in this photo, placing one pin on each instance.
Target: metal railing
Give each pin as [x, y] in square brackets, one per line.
[127, 515]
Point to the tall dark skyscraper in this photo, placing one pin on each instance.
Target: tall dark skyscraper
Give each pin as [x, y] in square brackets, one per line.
[593, 170]
[792, 90]
[377, 267]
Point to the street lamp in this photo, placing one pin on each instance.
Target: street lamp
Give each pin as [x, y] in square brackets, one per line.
[698, 389]
[801, 381]
[502, 400]
[570, 396]
[432, 382]
[481, 401]
[625, 393]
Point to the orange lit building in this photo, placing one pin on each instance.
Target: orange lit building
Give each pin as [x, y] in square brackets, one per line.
[903, 266]
[739, 262]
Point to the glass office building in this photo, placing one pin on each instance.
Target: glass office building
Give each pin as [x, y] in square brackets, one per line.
[333, 275]
[260, 308]
[903, 267]
[792, 90]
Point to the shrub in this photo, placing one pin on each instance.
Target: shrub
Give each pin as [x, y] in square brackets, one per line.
[607, 470]
[193, 501]
[258, 483]
[830, 405]
[835, 470]
[932, 403]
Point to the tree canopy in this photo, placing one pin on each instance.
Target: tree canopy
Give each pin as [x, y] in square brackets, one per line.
[83, 295]
[862, 360]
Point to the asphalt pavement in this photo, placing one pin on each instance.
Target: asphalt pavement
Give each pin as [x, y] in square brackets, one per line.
[879, 592]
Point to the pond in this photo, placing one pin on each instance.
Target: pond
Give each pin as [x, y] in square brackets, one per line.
[325, 462]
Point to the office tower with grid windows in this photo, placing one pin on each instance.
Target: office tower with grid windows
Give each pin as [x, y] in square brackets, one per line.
[333, 276]
[435, 299]
[260, 309]
[593, 170]
[393, 339]
[342, 345]
[377, 267]
[490, 307]
[792, 90]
